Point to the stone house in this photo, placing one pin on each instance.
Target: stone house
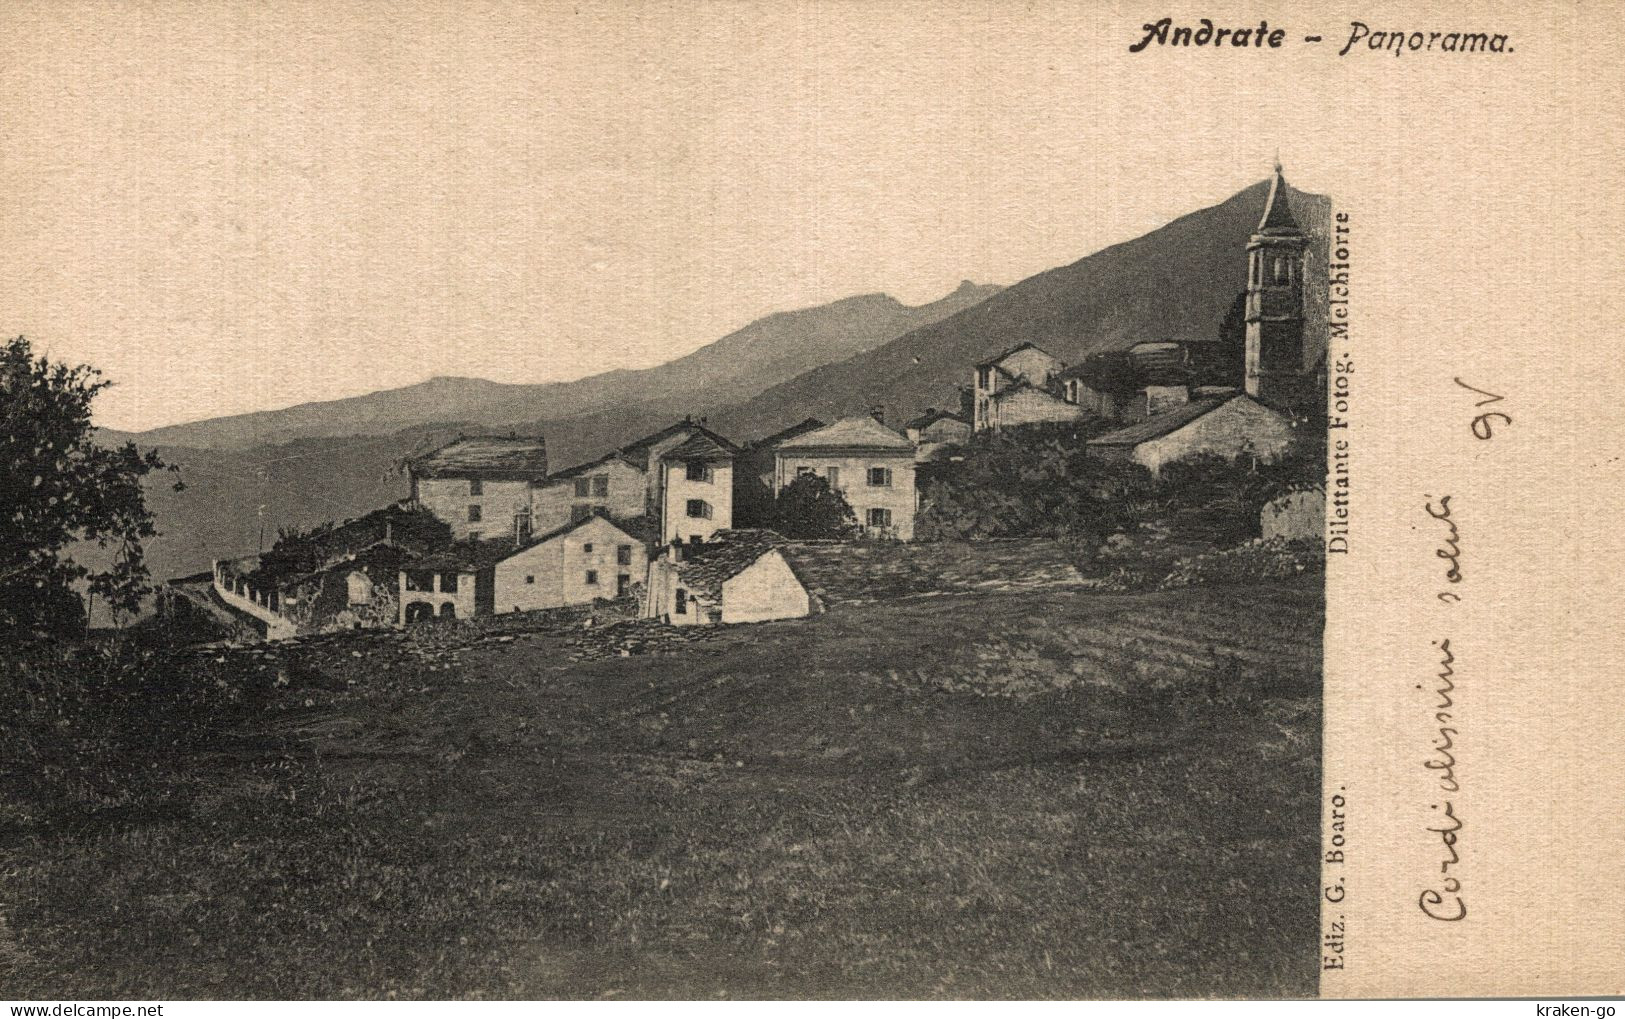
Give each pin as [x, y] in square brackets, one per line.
[480, 485]
[579, 563]
[624, 484]
[1025, 403]
[330, 578]
[1231, 427]
[614, 485]
[739, 576]
[1025, 362]
[870, 465]
[936, 430]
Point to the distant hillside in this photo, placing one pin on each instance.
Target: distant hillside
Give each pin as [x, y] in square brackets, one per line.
[1175, 282]
[762, 354]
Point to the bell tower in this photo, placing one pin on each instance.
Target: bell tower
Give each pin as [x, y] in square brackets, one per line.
[1274, 372]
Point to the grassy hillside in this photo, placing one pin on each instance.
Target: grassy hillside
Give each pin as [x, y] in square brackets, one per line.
[1032, 795]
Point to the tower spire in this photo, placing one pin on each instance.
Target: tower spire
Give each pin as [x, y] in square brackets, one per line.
[1277, 218]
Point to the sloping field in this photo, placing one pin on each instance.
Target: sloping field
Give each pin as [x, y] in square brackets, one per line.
[1038, 794]
[859, 572]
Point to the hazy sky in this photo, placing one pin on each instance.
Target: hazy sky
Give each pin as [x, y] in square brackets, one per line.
[232, 207]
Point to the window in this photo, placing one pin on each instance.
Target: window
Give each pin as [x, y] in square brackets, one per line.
[834, 475]
[473, 514]
[579, 512]
[804, 470]
[623, 555]
[880, 477]
[623, 582]
[698, 470]
[476, 487]
[694, 539]
[419, 580]
[984, 377]
[699, 508]
[879, 517]
[600, 485]
[586, 547]
[448, 583]
[474, 535]
[681, 608]
[592, 577]
[530, 578]
[583, 488]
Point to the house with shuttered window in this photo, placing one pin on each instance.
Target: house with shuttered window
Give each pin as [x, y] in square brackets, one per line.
[871, 466]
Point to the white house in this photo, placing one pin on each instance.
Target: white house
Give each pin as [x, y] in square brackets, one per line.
[696, 489]
[740, 576]
[869, 464]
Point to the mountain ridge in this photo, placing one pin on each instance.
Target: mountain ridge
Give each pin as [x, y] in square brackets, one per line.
[764, 352]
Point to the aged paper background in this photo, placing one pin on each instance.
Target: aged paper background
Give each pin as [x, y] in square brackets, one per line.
[1483, 195]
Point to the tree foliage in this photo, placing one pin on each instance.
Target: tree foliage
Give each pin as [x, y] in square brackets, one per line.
[58, 487]
[808, 508]
[1046, 483]
[1033, 482]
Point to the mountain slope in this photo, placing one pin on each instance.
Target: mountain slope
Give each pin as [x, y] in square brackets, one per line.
[1175, 282]
[764, 353]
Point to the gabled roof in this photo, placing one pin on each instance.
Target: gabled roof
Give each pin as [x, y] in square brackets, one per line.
[992, 361]
[700, 446]
[642, 445]
[485, 456]
[615, 454]
[704, 568]
[768, 442]
[860, 431]
[1277, 218]
[1162, 424]
[930, 418]
[469, 556]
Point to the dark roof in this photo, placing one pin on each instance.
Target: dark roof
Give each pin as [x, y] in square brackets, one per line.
[485, 456]
[700, 446]
[615, 454]
[705, 567]
[472, 556]
[768, 442]
[1277, 218]
[643, 444]
[1162, 424]
[932, 417]
[1018, 347]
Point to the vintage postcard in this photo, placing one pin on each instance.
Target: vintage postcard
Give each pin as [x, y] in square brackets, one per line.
[968, 500]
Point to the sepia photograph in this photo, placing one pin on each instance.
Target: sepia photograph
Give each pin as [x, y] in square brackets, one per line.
[688, 501]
